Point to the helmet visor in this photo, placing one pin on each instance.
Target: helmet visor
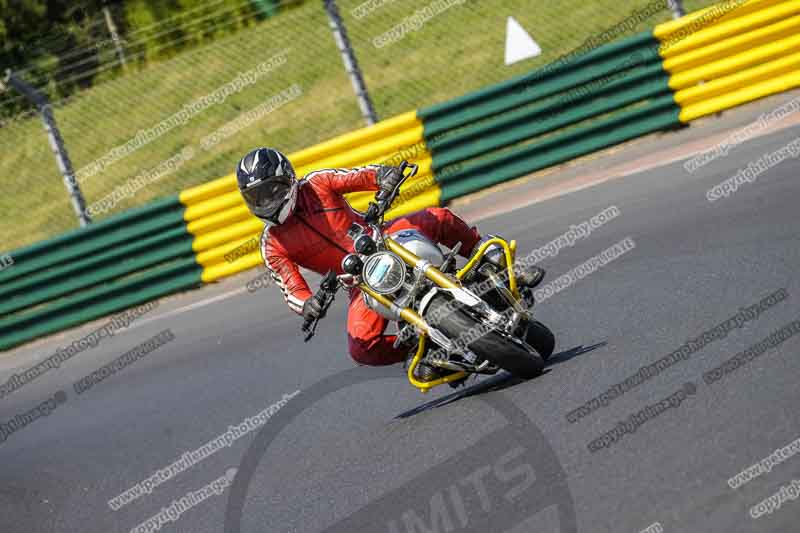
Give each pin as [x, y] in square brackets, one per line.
[267, 197]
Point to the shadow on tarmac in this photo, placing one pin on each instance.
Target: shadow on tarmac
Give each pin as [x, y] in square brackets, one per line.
[501, 380]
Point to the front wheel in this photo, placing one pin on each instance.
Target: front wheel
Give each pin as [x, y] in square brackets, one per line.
[540, 338]
[494, 346]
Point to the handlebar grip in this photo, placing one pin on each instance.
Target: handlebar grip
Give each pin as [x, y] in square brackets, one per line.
[328, 284]
[372, 213]
[326, 294]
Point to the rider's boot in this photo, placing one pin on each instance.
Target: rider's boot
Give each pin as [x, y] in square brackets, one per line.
[526, 275]
[529, 276]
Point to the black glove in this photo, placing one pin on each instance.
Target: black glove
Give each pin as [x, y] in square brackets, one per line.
[312, 308]
[388, 178]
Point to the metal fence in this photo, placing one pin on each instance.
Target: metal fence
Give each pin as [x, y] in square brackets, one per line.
[158, 127]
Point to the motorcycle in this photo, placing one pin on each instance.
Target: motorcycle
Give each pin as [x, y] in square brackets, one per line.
[461, 321]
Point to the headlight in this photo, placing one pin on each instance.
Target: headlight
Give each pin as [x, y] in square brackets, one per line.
[384, 272]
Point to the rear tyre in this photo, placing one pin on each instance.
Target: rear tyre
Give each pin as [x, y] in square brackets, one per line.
[494, 346]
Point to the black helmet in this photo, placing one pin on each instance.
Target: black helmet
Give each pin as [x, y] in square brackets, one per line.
[267, 182]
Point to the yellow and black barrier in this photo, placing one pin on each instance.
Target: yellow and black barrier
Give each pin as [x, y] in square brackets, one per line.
[749, 50]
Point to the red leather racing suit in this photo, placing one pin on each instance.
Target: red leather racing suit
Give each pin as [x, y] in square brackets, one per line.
[315, 237]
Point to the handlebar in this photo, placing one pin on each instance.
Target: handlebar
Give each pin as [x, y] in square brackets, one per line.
[375, 212]
[377, 209]
[326, 292]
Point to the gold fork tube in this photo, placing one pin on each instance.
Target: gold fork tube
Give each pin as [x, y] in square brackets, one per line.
[432, 273]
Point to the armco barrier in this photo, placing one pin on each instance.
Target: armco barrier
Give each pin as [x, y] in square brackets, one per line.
[711, 60]
[614, 93]
[750, 52]
[717, 58]
[125, 260]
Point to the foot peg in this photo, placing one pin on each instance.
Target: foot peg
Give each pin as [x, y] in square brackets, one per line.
[426, 373]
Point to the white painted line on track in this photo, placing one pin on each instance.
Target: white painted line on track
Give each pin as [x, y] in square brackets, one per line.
[660, 159]
[190, 307]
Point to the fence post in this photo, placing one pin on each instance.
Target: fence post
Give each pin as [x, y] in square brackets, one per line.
[677, 8]
[56, 142]
[350, 63]
[112, 30]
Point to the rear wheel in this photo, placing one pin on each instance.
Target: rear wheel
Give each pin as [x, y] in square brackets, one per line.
[494, 346]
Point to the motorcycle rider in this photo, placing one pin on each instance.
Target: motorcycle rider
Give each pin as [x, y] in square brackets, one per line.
[306, 225]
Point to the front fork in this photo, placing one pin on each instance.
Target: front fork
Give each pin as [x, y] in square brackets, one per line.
[445, 282]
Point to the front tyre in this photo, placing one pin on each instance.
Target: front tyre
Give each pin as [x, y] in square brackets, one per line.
[495, 346]
[540, 338]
